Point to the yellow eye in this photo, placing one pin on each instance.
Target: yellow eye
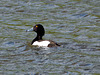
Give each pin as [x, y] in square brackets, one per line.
[36, 26]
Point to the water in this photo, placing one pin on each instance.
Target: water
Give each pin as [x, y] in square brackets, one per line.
[75, 24]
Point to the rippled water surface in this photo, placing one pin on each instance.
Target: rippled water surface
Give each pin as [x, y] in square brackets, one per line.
[75, 24]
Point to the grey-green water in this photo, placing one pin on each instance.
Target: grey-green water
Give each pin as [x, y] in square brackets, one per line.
[75, 24]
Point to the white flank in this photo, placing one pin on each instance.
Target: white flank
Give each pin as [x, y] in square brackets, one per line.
[41, 43]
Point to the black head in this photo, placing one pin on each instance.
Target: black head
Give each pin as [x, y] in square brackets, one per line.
[39, 29]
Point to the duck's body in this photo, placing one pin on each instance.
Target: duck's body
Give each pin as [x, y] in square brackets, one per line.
[38, 41]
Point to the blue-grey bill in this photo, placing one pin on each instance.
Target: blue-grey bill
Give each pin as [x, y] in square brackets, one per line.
[29, 30]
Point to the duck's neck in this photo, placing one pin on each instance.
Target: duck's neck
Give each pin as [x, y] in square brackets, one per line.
[38, 37]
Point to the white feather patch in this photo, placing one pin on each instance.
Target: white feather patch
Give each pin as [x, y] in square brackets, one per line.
[41, 43]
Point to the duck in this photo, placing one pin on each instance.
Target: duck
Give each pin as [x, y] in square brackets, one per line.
[38, 40]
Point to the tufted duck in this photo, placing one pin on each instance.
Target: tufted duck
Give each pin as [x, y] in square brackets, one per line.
[38, 41]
